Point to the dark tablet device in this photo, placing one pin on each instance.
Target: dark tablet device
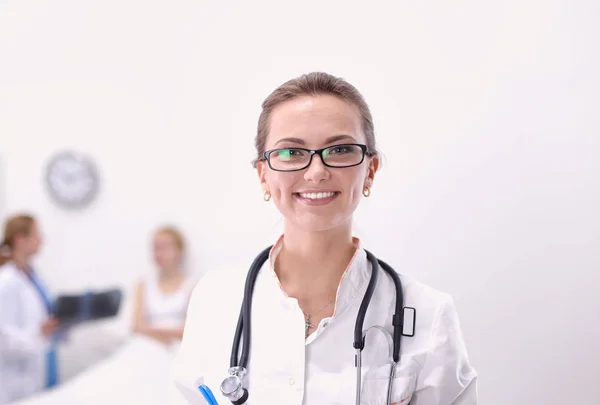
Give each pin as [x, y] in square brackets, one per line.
[89, 306]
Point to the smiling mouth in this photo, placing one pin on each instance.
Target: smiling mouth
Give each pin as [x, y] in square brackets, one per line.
[317, 196]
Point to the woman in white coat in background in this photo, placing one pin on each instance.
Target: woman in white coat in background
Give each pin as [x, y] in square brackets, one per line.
[316, 157]
[27, 355]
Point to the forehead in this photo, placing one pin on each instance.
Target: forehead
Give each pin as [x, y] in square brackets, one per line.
[314, 120]
[163, 237]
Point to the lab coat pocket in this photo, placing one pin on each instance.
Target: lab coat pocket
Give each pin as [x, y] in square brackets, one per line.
[375, 387]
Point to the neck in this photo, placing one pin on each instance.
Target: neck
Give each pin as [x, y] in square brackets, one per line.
[310, 264]
[21, 260]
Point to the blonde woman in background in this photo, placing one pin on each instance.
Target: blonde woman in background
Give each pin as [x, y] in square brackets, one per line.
[27, 355]
[161, 300]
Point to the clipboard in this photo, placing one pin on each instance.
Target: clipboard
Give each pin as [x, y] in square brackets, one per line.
[190, 391]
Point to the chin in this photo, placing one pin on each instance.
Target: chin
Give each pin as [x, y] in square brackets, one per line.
[312, 223]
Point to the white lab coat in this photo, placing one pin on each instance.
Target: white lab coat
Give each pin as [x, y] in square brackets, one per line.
[284, 367]
[23, 348]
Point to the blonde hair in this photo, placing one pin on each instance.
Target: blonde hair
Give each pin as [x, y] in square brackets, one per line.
[17, 225]
[173, 233]
[313, 84]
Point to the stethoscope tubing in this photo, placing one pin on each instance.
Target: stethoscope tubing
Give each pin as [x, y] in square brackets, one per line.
[243, 329]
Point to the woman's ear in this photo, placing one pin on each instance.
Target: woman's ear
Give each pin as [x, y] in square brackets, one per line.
[261, 169]
[373, 167]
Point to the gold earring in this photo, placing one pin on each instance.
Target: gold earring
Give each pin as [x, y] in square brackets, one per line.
[367, 192]
[267, 196]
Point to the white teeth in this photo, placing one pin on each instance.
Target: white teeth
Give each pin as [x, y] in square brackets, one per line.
[316, 196]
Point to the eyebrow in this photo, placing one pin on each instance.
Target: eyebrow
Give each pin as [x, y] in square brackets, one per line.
[329, 140]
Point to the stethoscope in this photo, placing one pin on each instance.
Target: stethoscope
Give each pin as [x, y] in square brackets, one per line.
[232, 386]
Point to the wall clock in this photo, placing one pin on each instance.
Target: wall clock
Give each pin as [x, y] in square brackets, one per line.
[71, 180]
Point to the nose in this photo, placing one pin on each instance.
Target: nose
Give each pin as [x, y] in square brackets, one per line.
[316, 171]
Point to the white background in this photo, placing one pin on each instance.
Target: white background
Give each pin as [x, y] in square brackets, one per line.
[486, 112]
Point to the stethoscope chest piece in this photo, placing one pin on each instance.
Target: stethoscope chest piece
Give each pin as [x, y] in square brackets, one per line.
[233, 386]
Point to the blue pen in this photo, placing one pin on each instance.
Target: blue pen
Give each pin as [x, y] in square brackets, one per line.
[207, 394]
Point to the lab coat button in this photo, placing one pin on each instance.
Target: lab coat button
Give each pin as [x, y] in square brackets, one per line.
[292, 381]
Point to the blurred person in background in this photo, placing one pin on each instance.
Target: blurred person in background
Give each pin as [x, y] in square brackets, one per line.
[138, 371]
[27, 329]
[161, 300]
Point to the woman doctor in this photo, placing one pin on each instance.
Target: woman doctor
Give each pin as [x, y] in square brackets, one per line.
[307, 295]
[27, 359]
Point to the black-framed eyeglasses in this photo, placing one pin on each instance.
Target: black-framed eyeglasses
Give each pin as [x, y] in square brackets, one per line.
[294, 159]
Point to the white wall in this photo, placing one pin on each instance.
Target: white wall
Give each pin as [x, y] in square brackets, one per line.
[486, 112]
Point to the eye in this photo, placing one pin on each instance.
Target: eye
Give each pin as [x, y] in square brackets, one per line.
[289, 154]
[341, 149]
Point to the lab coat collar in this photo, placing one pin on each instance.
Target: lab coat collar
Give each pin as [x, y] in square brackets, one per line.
[31, 278]
[12, 268]
[352, 283]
